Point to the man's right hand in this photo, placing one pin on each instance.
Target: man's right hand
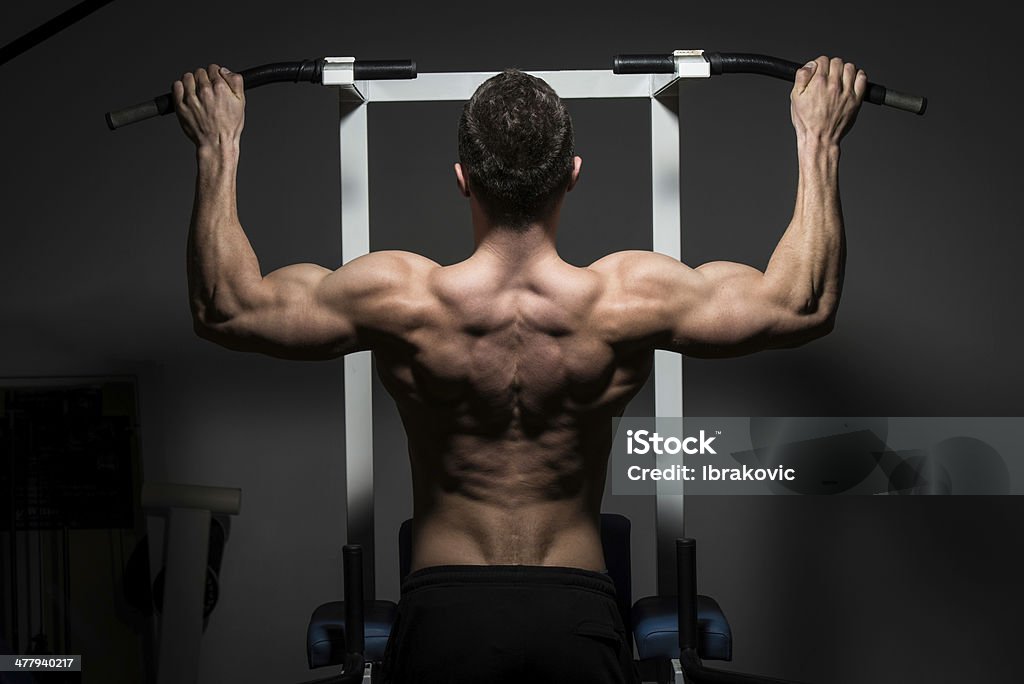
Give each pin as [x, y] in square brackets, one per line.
[827, 94]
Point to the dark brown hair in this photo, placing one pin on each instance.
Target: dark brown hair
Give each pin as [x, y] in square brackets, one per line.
[516, 147]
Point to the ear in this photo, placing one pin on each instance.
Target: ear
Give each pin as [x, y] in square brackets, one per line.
[460, 178]
[577, 164]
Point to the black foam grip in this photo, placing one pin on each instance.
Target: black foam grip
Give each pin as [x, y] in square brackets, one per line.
[383, 69]
[308, 71]
[644, 64]
[745, 63]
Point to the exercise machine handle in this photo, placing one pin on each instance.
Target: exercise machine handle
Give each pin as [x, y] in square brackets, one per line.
[307, 71]
[686, 606]
[686, 599]
[352, 561]
[355, 640]
[745, 63]
[355, 628]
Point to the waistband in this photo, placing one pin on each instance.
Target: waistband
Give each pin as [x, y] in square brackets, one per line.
[533, 575]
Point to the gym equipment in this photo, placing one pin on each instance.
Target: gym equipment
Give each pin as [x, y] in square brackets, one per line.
[655, 78]
[188, 509]
[688, 666]
[341, 636]
[219, 526]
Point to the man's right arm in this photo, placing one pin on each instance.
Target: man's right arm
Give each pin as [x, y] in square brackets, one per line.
[729, 309]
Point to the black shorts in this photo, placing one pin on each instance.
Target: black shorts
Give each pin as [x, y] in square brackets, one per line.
[470, 624]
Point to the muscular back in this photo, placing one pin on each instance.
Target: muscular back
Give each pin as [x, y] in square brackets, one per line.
[507, 370]
[507, 380]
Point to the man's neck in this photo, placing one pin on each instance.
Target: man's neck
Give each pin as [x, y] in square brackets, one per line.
[515, 246]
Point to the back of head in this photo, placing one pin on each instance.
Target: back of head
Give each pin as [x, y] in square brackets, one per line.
[516, 147]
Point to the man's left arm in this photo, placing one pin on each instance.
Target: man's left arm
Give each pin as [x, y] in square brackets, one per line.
[301, 311]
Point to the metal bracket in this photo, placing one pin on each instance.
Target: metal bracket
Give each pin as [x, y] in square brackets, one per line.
[691, 64]
[339, 71]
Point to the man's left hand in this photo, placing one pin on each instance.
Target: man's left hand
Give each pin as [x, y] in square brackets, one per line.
[211, 106]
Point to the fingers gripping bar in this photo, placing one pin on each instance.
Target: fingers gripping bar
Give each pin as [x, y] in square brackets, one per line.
[308, 71]
[742, 63]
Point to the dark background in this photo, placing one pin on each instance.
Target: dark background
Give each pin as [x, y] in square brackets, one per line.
[841, 590]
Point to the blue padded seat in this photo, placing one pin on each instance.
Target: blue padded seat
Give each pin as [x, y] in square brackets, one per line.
[656, 629]
[325, 636]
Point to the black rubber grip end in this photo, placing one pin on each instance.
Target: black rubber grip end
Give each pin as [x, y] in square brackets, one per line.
[382, 69]
[908, 103]
[644, 64]
[133, 114]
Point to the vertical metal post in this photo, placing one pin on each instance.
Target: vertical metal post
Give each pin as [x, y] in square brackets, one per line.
[686, 601]
[186, 548]
[181, 624]
[355, 242]
[668, 366]
[13, 541]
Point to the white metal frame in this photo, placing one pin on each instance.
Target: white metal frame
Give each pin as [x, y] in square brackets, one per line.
[662, 90]
[189, 510]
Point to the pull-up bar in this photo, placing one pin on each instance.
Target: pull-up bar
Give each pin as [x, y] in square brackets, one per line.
[681, 63]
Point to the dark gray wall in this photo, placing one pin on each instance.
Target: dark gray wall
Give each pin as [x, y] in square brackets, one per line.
[828, 590]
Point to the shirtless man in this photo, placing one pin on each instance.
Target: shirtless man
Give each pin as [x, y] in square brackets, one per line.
[508, 367]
